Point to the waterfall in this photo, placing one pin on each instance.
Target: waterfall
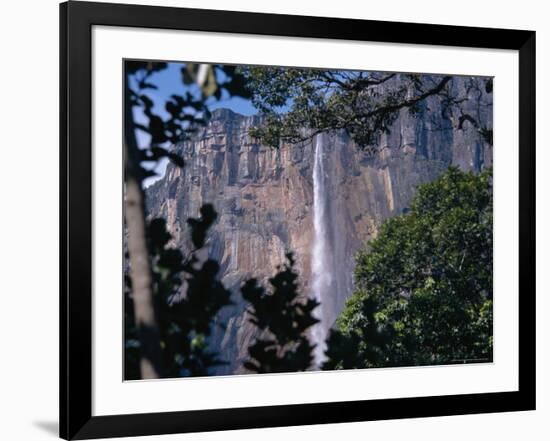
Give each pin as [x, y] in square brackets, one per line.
[321, 270]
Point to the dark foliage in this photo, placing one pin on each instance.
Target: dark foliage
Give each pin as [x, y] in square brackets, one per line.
[187, 297]
[282, 318]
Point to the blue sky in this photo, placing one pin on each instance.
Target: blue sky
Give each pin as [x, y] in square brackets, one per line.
[168, 82]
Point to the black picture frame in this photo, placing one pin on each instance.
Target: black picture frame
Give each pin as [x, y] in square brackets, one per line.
[76, 21]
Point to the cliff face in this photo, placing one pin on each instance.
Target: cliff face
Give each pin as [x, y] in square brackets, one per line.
[264, 198]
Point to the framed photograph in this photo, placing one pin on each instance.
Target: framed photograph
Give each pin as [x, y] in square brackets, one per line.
[273, 220]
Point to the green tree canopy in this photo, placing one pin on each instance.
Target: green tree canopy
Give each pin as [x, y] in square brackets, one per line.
[299, 103]
[424, 285]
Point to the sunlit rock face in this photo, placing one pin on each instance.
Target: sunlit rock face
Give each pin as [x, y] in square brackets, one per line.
[264, 198]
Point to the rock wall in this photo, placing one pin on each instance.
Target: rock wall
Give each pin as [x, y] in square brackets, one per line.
[264, 197]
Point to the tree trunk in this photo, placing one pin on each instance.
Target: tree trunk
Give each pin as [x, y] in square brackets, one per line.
[140, 266]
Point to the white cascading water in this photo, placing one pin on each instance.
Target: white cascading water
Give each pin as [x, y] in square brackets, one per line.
[320, 265]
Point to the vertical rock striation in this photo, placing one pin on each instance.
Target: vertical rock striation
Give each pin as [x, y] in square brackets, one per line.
[264, 198]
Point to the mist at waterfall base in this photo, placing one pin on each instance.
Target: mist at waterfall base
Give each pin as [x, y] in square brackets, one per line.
[330, 279]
